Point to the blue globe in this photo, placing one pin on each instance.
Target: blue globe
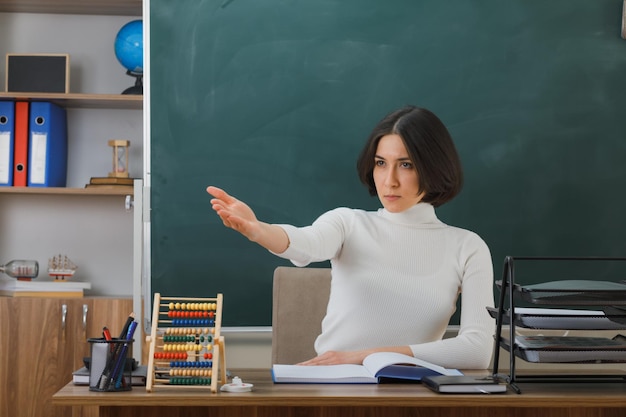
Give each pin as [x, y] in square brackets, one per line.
[129, 46]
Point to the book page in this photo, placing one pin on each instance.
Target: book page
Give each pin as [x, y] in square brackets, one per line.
[376, 361]
[349, 373]
[322, 374]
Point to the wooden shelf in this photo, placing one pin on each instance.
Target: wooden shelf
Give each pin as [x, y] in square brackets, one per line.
[95, 7]
[77, 100]
[122, 191]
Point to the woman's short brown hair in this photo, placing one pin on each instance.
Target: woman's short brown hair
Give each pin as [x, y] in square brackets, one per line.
[430, 148]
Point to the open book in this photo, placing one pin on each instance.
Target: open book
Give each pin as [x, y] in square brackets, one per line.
[377, 367]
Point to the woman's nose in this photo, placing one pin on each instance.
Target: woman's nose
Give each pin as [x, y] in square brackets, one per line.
[391, 180]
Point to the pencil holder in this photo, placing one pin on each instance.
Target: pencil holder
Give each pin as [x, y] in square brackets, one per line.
[107, 370]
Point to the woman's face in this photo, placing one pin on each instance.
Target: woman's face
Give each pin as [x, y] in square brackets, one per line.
[395, 175]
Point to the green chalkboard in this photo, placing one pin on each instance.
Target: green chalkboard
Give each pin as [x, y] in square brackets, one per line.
[272, 100]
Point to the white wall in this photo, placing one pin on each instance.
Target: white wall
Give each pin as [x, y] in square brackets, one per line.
[88, 39]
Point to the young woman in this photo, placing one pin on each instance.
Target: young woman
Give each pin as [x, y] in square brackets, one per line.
[396, 272]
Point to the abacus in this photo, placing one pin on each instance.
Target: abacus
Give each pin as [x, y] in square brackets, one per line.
[186, 349]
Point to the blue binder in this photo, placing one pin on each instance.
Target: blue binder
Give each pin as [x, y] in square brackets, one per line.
[47, 145]
[7, 141]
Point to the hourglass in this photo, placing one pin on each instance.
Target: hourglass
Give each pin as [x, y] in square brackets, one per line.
[120, 158]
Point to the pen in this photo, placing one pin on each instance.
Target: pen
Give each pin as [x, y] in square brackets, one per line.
[106, 333]
[118, 374]
[105, 378]
[129, 320]
[108, 376]
[131, 330]
[119, 363]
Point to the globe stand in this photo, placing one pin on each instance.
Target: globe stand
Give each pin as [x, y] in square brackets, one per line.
[138, 87]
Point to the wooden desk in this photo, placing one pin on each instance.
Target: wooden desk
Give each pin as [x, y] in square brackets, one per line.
[271, 400]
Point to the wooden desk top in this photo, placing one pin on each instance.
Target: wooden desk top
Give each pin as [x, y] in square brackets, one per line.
[266, 393]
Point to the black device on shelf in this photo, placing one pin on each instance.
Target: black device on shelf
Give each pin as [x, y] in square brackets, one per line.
[608, 298]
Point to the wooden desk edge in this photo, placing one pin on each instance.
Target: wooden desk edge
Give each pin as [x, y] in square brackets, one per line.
[265, 393]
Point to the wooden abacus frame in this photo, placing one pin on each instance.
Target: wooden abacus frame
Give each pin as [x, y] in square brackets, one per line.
[162, 322]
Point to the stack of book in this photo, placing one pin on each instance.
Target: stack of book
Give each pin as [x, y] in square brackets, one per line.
[64, 289]
[115, 183]
[138, 375]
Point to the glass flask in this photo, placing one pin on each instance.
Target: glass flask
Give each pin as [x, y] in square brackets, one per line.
[21, 269]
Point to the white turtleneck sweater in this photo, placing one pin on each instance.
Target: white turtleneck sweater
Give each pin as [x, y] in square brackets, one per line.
[395, 282]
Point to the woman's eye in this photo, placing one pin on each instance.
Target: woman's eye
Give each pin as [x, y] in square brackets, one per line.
[379, 162]
[407, 165]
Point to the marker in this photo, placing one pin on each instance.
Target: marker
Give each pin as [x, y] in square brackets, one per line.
[129, 320]
[113, 365]
[131, 330]
[118, 373]
[106, 334]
